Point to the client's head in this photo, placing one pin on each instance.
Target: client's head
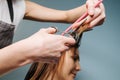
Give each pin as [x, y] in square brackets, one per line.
[65, 69]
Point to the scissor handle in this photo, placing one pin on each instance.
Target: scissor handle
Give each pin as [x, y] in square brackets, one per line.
[81, 18]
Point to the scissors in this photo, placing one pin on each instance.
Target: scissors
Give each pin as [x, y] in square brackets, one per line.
[82, 19]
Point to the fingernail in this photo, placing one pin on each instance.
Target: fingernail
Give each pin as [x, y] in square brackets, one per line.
[56, 29]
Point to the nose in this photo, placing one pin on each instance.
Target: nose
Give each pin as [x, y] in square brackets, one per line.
[77, 66]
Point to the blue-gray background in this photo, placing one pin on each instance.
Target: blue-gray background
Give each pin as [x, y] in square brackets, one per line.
[100, 49]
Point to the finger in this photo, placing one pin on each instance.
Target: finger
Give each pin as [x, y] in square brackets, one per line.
[68, 40]
[64, 47]
[100, 19]
[51, 30]
[96, 22]
[102, 8]
[97, 13]
[55, 28]
[56, 54]
[90, 7]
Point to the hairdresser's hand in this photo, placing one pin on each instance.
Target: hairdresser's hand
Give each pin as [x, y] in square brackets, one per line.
[96, 15]
[46, 46]
[41, 46]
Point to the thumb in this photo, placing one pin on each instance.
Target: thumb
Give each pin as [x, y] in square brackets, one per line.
[51, 30]
[90, 7]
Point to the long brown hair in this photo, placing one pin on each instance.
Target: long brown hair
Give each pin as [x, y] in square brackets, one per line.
[42, 71]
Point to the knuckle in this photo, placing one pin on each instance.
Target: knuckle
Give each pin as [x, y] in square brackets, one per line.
[57, 55]
[64, 48]
[61, 49]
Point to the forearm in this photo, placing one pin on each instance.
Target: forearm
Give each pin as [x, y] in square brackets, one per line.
[74, 14]
[40, 13]
[33, 49]
[12, 57]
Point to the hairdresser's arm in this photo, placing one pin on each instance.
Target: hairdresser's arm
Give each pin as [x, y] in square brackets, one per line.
[40, 13]
[42, 44]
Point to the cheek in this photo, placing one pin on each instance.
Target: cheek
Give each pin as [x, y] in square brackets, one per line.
[64, 72]
[69, 62]
[68, 65]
